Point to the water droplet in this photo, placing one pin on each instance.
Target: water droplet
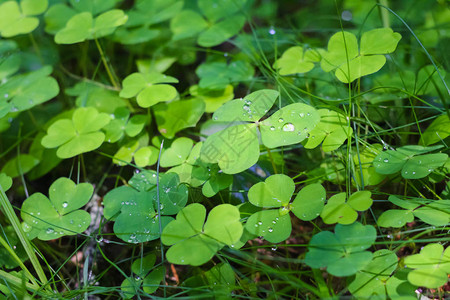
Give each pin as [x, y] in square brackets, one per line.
[6, 95]
[65, 204]
[386, 160]
[50, 230]
[288, 127]
[301, 115]
[260, 223]
[274, 248]
[414, 172]
[272, 31]
[272, 128]
[270, 230]
[215, 118]
[232, 245]
[246, 107]
[280, 120]
[13, 109]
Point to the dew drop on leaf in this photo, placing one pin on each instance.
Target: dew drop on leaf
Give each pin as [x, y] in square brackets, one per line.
[50, 230]
[65, 204]
[288, 127]
[270, 229]
[386, 160]
[272, 128]
[281, 120]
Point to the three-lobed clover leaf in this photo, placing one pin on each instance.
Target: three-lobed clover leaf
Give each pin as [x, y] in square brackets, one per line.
[377, 279]
[213, 99]
[147, 277]
[435, 213]
[352, 62]
[24, 91]
[217, 75]
[276, 192]
[338, 210]
[194, 241]
[177, 115]
[77, 135]
[413, 161]
[431, 266]
[236, 148]
[135, 210]
[121, 124]
[150, 88]
[223, 21]
[365, 174]
[342, 252]
[295, 60]
[18, 18]
[332, 131]
[58, 215]
[83, 26]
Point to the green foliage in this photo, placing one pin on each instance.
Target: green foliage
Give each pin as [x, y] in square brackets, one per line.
[412, 161]
[58, 215]
[77, 135]
[352, 62]
[203, 139]
[432, 266]
[343, 252]
[189, 231]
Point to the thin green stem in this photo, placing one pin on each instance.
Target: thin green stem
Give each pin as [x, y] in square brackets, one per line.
[105, 63]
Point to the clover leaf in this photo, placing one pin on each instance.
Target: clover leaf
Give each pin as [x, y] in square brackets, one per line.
[189, 231]
[6, 259]
[332, 130]
[435, 213]
[177, 115]
[342, 253]
[24, 91]
[217, 75]
[146, 275]
[83, 26]
[410, 160]
[338, 210]
[60, 215]
[294, 60]
[432, 266]
[276, 192]
[5, 182]
[377, 279]
[135, 212]
[20, 165]
[10, 59]
[77, 135]
[236, 148]
[121, 124]
[150, 88]
[213, 99]
[351, 62]
[15, 19]
[222, 22]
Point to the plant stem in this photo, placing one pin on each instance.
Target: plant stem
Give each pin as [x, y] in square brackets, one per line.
[105, 63]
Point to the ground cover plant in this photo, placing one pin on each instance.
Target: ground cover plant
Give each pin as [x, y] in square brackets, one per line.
[224, 149]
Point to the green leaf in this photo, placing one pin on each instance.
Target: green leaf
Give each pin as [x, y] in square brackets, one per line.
[5, 182]
[309, 202]
[221, 31]
[25, 91]
[83, 26]
[216, 183]
[60, 215]
[338, 210]
[177, 153]
[332, 130]
[56, 17]
[235, 149]
[352, 63]
[218, 9]
[142, 266]
[371, 280]
[77, 135]
[276, 191]
[395, 218]
[270, 224]
[294, 60]
[438, 130]
[432, 266]
[250, 108]
[213, 99]
[18, 165]
[178, 115]
[15, 20]
[217, 75]
[407, 160]
[188, 232]
[289, 125]
[341, 253]
[187, 24]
